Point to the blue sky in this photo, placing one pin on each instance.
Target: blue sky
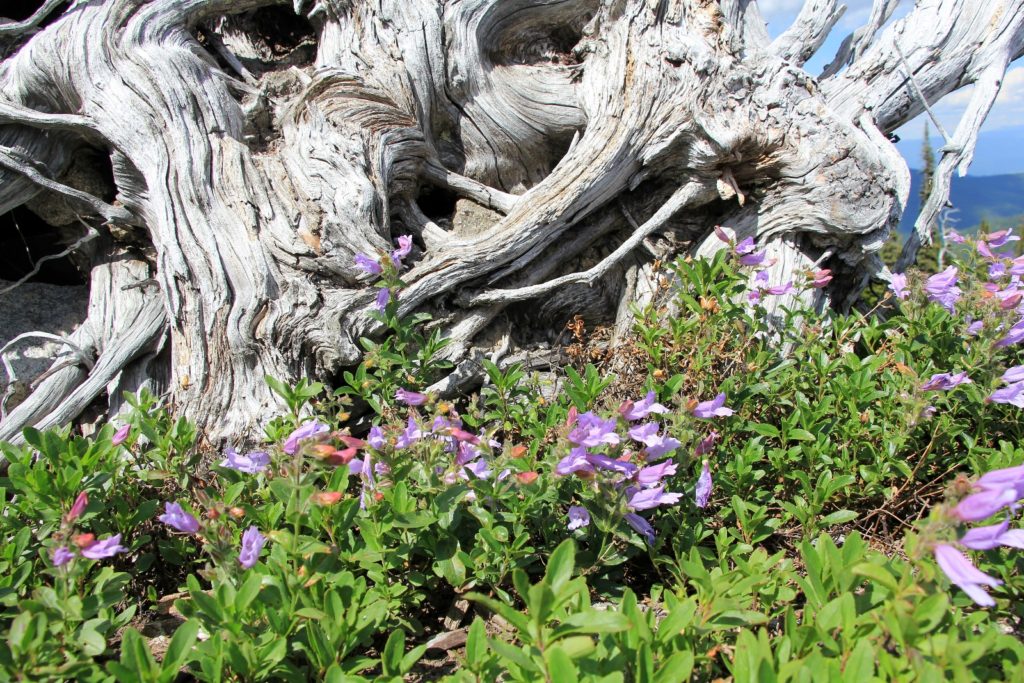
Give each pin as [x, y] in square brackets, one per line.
[1002, 136]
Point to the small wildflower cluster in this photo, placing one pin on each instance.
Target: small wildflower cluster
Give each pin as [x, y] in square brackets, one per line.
[747, 256]
[83, 544]
[386, 267]
[625, 459]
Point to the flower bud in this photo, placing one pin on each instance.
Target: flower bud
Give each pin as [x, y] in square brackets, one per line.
[78, 507]
[526, 478]
[326, 497]
[236, 512]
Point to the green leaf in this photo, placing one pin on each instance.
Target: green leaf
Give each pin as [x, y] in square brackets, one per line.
[877, 574]
[179, 650]
[476, 642]
[391, 657]
[839, 517]
[247, 593]
[765, 430]
[560, 666]
[560, 566]
[677, 668]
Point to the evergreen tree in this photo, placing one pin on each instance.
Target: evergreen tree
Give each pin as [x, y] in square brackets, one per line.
[928, 169]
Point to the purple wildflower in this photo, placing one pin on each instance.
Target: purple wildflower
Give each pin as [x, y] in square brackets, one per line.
[754, 259]
[578, 517]
[745, 246]
[1014, 374]
[706, 444]
[955, 565]
[653, 474]
[306, 431]
[898, 285]
[411, 435]
[954, 237]
[993, 536]
[383, 297]
[713, 408]
[252, 546]
[61, 556]
[108, 547]
[251, 463]
[655, 444]
[478, 468]
[820, 278]
[974, 328]
[576, 461]
[997, 270]
[645, 499]
[175, 517]
[1015, 335]
[410, 398]
[376, 438]
[984, 504]
[121, 435]
[612, 465]
[404, 247]
[78, 507]
[368, 265]
[592, 431]
[644, 407]
[641, 526]
[1012, 394]
[941, 288]
[702, 492]
[1000, 238]
[943, 381]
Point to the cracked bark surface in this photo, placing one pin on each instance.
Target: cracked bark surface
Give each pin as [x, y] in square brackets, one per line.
[257, 145]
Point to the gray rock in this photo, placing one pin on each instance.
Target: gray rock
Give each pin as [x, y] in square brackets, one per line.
[36, 307]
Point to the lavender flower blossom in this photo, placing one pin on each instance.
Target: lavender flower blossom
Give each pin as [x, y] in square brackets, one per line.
[993, 536]
[641, 526]
[576, 461]
[376, 438]
[745, 246]
[974, 328]
[61, 556]
[1012, 394]
[175, 517]
[368, 265]
[706, 444]
[702, 493]
[962, 573]
[653, 474]
[941, 288]
[820, 278]
[107, 547]
[404, 247]
[985, 503]
[411, 435]
[754, 259]
[251, 463]
[954, 237]
[383, 297]
[410, 398]
[121, 435]
[997, 270]
[713, 408]
[1015, 334]
[1001, 238]
[78, 507]
[643, 408]
[646, 499]
[578, 517]
[306, 431]
[479, 469]
[252, 546]
[898, 285]
[612, 465]
[655, 444]
[1014, 374]
[943, 381]
[592, 431]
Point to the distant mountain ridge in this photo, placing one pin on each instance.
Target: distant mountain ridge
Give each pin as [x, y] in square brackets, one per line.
[976, 198]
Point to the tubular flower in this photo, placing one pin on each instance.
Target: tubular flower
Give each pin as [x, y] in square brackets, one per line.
[646, 499]
[1014, 335]
[306, 431]
[898, 285]
[713, 408]
[368, 265]
[643, 408]
[944, 381]
[706, 444]
[121, 435]
[993, 536]
[78, 507]
[641, 526]
[175, 517]
[410, 398]
[955, 565]
[108, 547]
[655, 444]
[61, 556]
[411, 435]
[820, 278]
[383, 297]
[576, 461]
[1012, 394]
[404, 247]
[252, 546]
[702, 493]
[578, 517]
[591, 431]
[941, 288]
[251, 463]
[653, 474]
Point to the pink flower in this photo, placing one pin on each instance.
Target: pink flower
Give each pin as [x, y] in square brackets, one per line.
[820, 278]
[404, 247]
[121, 435]
[410, 398]
[706, 444]
[78, 507]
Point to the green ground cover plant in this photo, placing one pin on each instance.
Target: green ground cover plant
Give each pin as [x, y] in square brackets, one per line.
[798, 496]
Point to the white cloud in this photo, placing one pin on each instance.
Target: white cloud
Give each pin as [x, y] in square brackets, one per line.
[1008, 109]
[776, 6]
